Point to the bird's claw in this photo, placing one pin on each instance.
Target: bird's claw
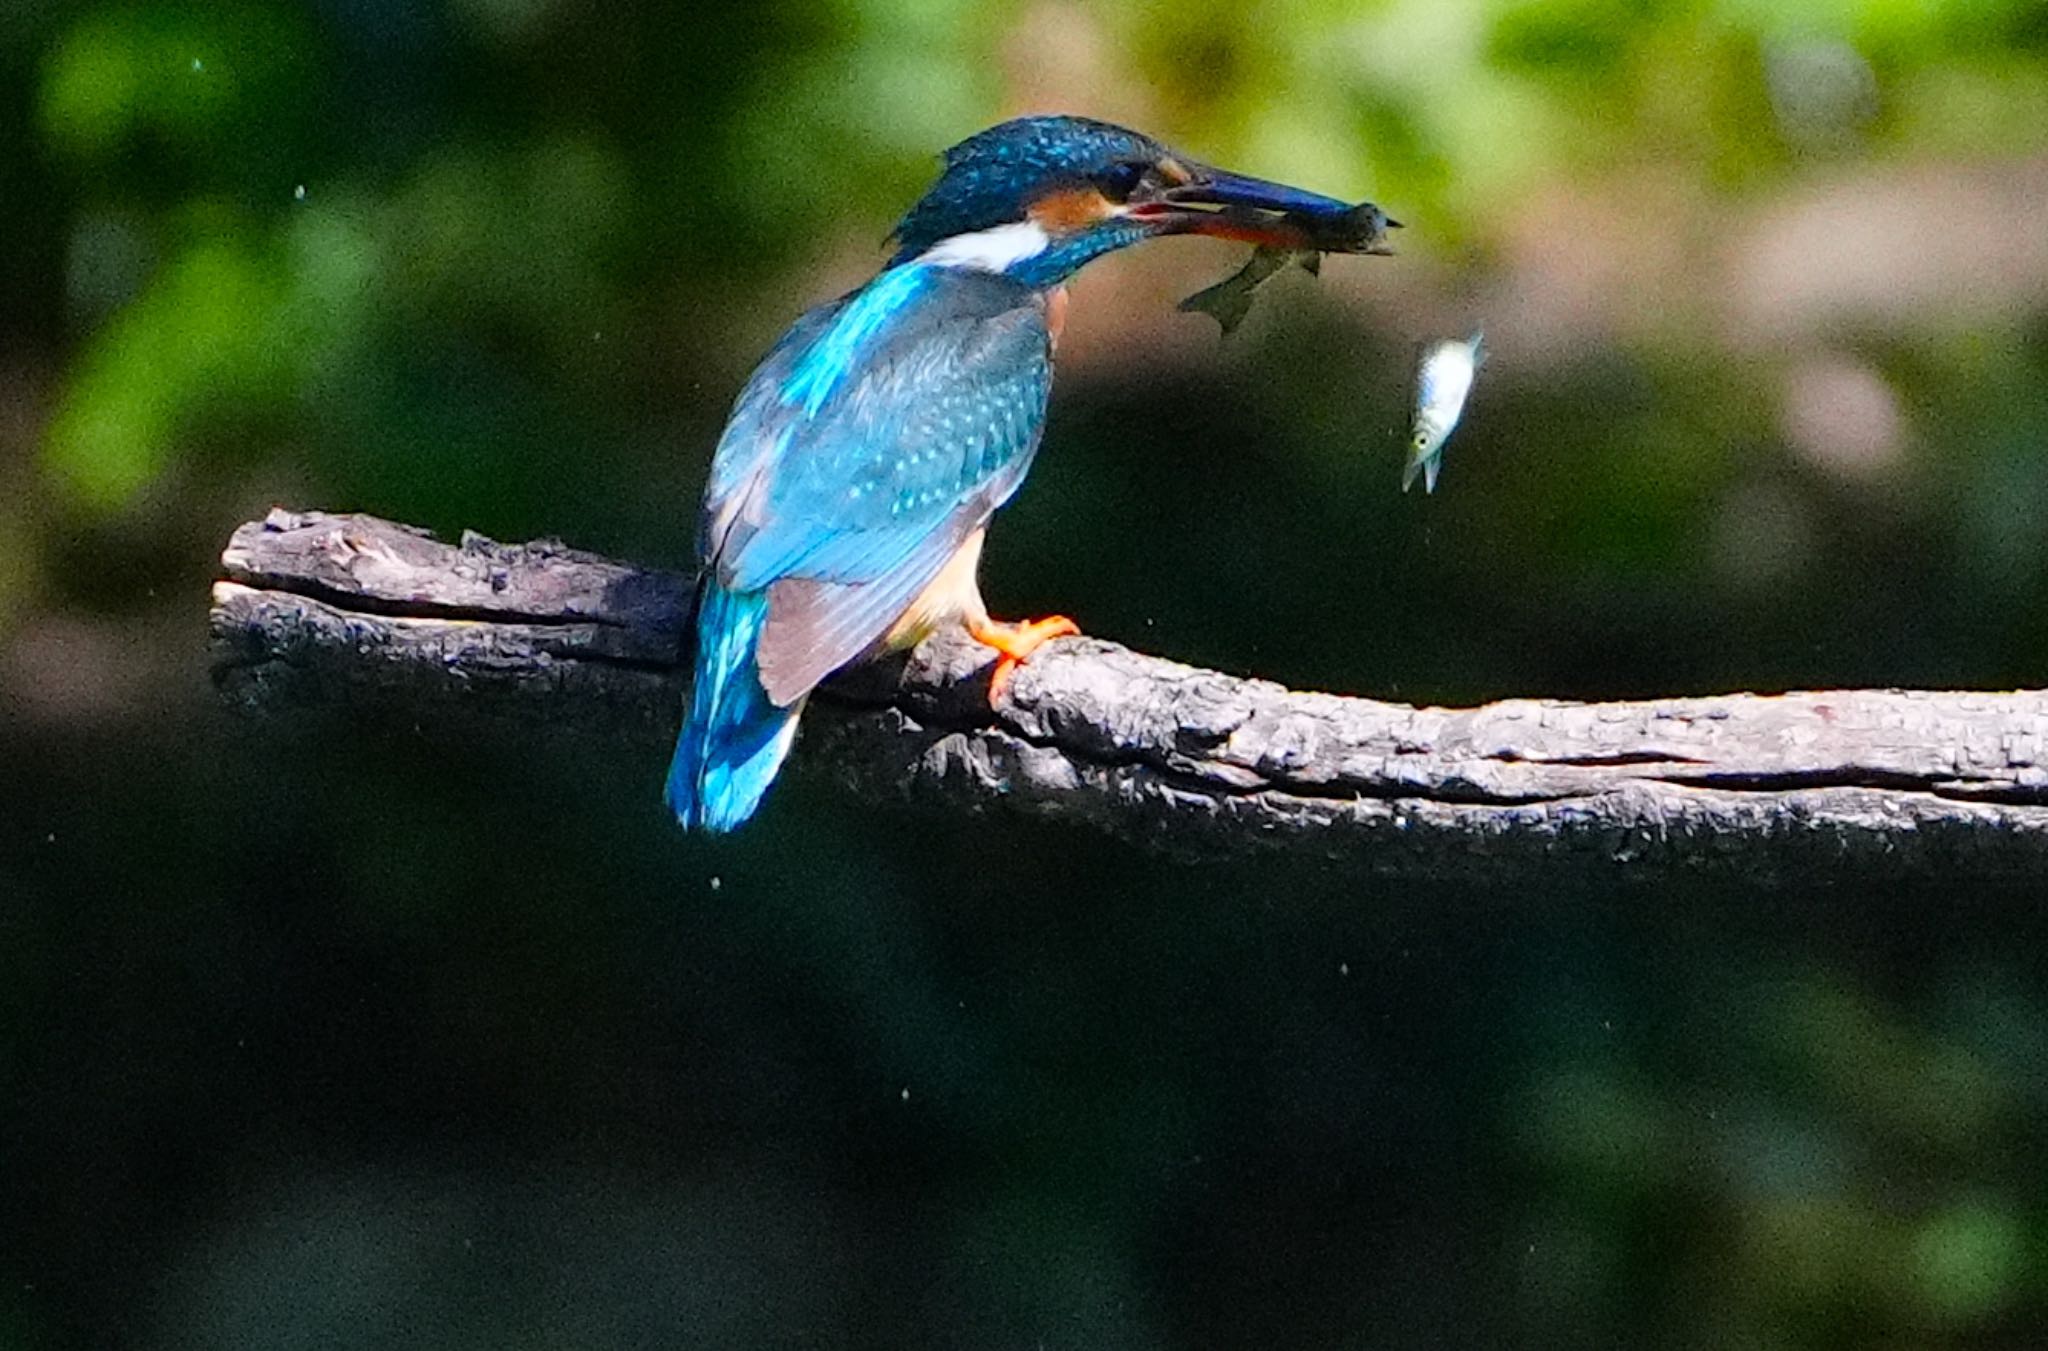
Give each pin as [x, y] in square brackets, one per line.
[1016, 643]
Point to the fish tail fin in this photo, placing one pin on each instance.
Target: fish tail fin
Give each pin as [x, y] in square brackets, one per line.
[1425, 467]
[734, 736]
[1226, 304]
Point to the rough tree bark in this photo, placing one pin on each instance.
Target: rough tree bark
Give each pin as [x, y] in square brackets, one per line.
[318, 608]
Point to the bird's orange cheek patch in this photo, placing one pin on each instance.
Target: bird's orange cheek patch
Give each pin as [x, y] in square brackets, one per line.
[1072, 209]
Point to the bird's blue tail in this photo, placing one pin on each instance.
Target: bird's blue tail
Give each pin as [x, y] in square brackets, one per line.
[735, 737]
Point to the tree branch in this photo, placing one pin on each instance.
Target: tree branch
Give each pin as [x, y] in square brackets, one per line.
[321, 608]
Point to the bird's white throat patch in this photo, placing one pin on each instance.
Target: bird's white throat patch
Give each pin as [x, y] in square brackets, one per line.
[993, 250]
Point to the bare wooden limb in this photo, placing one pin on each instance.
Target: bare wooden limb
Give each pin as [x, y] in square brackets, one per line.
[1853, 783]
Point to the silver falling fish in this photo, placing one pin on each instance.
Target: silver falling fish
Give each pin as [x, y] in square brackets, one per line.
[1442, 382]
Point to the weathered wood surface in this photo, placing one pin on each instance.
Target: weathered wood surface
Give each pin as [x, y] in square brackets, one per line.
[1846, 784]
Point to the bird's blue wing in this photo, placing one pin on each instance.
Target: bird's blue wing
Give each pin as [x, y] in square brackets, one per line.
[867, 450]
[759, 425]
[862, 439]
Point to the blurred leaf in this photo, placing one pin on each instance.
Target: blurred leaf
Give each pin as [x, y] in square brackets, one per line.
[203, 333]
[1968, 1259]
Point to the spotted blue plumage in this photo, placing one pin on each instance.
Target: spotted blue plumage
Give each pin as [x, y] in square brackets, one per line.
[872, 441]
[979, 187]
[826, 362]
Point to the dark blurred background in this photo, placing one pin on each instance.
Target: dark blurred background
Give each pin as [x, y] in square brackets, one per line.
[333, 1035]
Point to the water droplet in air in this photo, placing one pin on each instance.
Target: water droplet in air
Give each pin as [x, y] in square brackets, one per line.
[299, 193]
[717, 882]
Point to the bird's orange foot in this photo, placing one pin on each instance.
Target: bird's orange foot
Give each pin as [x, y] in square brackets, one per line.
[1017, 642]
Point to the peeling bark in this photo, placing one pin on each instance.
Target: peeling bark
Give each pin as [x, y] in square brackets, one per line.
[318, 608]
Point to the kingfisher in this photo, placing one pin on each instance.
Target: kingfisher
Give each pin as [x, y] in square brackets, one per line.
[854, 482]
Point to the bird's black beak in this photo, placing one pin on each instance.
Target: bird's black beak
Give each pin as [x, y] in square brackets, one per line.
[1234, 206]
[1217, 187]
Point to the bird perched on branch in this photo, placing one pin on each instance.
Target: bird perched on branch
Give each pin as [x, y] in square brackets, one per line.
[852, 486]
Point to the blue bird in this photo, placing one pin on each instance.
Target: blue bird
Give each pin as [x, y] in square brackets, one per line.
[863, 459]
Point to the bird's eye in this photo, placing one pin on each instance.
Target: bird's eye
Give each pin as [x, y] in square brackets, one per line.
[1119, 181]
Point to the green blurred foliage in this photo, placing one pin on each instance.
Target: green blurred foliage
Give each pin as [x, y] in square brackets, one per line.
[230, 172]
[342, 1033]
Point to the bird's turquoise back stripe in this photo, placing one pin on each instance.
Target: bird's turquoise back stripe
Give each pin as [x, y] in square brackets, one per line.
[825, 365]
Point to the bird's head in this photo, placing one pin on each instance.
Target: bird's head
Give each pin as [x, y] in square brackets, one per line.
[1037, 197]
